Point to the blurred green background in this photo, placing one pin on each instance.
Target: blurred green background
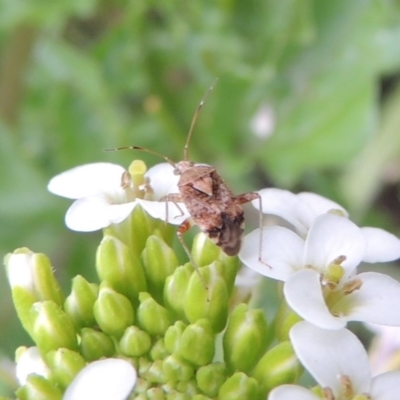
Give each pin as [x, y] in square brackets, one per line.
[308, 98]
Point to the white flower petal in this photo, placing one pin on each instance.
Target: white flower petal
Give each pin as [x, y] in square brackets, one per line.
[19, 270]
[108, 379]
[328, 354]
[304, 295]
[331, 236]
[93, 213]
[319, 204]
[281, 249]
[292, 392]
[386, 386]
[158, 209]
[30, 362]
[86, 180]
[377, 301]
[163, 180]
[382, 246]
[286, 205]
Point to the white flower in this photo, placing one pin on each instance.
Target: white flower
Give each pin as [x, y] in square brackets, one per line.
[300, 209]
[321, 283]
[108, 379]
[106, 194]
[339, 363]
[29, 361]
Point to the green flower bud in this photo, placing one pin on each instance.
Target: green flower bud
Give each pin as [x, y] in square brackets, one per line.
[173, 336]
[210, 378]
[188, 388]
[197, 343]
[120, 267]
[95, 345]
[159, 261]
[158, 351]
[211, 303]
[176, 369]
[205, 252]
[134, 342]
[245, 338]
[152, 317]
[38, 388]
[141, 388]
[238, 387]
[64, 365]
[177, 283]
[113, 312]
[277, 367]
[31, 279]
[52, 328]
[141, 226]
[154, 373]
[285, 319]
[79, 304]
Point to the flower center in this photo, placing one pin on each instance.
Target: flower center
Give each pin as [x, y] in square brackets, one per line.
[335, 294]
[346, 391]
[135, 183]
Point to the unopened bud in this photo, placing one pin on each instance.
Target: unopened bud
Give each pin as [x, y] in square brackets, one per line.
[177, 283]
[31, 278]
[95, 345]
[173, 336]
[113, 312]
[65, 365]
[52, 328]
[159, 351]
[212, 302]
[238, 387]
[152, 317]
[120, 268]
[177, 369]
[210, 378]
[245, 338]
[159, 261]
[39, 388]
[79, 304]
[277, 367]
[134, 342]
[197, 343]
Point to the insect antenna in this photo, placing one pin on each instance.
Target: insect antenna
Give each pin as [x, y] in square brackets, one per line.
[146, 150]
[194, 119]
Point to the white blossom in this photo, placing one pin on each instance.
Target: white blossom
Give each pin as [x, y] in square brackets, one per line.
[321, 280]
[339, 363]
[108, 379]
[102, 198]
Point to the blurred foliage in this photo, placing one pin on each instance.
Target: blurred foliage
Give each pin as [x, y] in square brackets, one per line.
[79, 77]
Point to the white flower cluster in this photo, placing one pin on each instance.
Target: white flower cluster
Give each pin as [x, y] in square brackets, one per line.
[317, 260]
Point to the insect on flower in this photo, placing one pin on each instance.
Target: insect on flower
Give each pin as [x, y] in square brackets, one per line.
[212, 206]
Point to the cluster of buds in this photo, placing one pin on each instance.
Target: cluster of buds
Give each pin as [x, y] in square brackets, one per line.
[181, 332]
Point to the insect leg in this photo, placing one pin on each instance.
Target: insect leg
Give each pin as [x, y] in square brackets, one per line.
[246, 198]
[173, 198]
[182, 229]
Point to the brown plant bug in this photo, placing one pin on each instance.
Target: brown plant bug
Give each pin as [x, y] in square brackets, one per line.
[211, 204]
